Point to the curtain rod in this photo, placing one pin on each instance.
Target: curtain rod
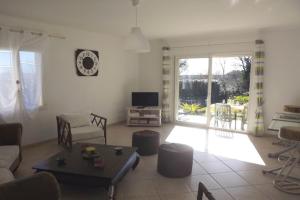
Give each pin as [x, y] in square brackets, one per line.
[215, 44]
[36, 33]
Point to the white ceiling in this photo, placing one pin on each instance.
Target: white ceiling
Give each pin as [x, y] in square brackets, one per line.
[159, 18]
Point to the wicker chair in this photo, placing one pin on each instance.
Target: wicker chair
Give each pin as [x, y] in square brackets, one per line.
[72, 128]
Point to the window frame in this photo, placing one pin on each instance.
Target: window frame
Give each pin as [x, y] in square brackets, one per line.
[20, 73]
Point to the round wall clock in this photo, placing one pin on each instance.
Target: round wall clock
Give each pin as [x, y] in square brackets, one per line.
[87, 62]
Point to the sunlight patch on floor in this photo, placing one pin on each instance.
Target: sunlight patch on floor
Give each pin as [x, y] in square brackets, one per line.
[233, 145]
[220, 143]
[194, 137]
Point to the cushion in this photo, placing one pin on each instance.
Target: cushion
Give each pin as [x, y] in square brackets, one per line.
[86, 132]
[77, 120]
[289, 133]
[5, 175]
[8, 154]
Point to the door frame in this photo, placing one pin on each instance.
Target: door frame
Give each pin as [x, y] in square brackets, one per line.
[208, 113]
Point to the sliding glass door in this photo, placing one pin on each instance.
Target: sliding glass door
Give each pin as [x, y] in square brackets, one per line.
[192, 90]
[213, 91]
[230, 92]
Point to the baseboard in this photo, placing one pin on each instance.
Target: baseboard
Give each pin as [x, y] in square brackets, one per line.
[39, 143]
[117, 122]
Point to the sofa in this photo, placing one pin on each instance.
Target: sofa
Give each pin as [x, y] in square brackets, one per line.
[36, 187]
[40, 186]
[10, 150]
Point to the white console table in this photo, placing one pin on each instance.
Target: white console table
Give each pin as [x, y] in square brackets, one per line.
[144, 116]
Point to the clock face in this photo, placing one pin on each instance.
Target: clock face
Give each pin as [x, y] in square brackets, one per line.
[87, 62]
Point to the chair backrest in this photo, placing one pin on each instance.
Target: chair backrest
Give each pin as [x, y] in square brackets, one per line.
[223, 112]
[202, 190]
[77, 120]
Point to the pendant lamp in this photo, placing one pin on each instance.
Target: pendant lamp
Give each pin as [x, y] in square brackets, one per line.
[136, 41]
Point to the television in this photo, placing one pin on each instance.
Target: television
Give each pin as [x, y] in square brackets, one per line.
[144, 99]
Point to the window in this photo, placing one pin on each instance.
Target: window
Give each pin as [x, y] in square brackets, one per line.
[8, 85]
[30, 68]
[5, 64]
[28, 75]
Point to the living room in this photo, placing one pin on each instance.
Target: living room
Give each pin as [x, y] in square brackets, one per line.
[206, 30]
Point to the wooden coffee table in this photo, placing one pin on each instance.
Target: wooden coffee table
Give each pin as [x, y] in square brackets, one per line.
[82, 172]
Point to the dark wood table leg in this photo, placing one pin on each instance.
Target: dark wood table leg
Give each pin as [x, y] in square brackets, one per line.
[137, 161]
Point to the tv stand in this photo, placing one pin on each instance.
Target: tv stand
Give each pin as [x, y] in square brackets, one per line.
[144, 116]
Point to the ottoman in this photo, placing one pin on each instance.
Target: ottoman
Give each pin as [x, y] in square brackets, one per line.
[175, 160]
[146, 141]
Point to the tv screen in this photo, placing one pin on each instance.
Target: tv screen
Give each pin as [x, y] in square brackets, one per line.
[144, 99]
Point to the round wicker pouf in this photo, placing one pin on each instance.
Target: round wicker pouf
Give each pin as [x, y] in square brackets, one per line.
[175, 160]
[146, 141]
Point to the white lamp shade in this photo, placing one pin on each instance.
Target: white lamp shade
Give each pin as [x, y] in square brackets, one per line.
[136, 41]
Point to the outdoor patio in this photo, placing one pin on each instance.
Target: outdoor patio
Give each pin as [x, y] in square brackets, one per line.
[223, 115]
[236, 124]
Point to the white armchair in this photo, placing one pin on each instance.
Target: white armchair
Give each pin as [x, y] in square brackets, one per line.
[72, 128]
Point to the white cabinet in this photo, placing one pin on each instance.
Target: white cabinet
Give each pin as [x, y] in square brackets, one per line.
[146, 116]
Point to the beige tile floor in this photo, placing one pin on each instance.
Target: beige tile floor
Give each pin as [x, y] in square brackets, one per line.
[228, 164]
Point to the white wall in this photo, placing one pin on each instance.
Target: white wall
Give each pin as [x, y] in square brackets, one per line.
[282, 69]
[108, 94]
[150, 69]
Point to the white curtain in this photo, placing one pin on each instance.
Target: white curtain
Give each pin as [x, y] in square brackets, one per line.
[9, 91]
[32, 52]
[20, 74]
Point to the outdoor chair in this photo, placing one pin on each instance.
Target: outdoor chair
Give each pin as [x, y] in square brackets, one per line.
[223, 114]
[73, 128]
[242, 115]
